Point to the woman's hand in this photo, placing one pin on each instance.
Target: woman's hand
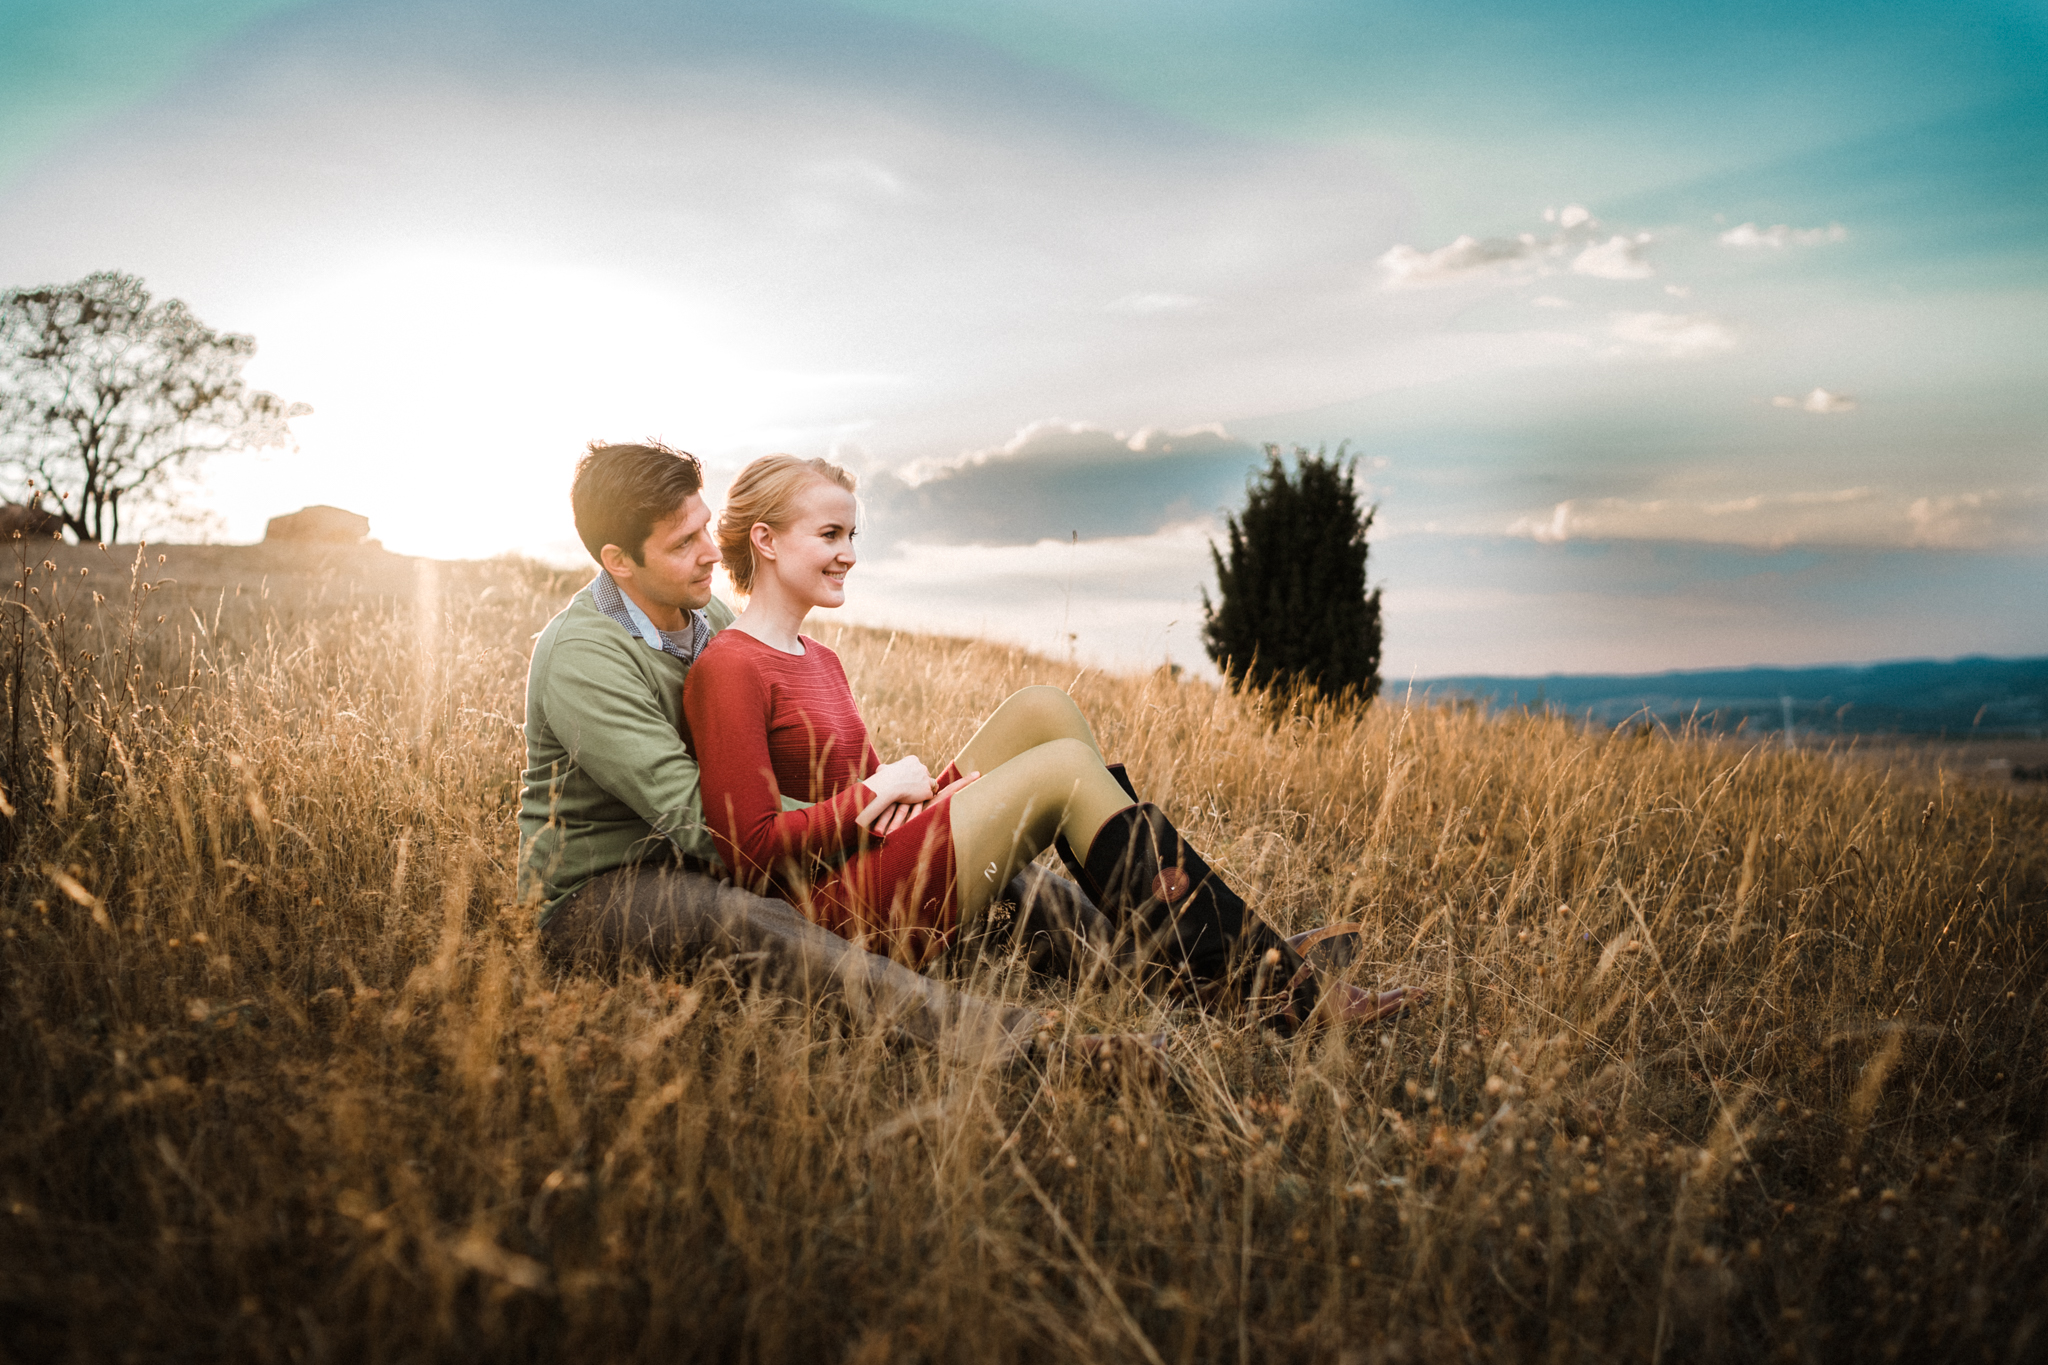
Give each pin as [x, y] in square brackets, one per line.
[905, 780]
[896, 816]
[955, 785]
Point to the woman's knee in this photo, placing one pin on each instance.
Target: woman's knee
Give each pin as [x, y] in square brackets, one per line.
[1044, 774]
[1066, 760]
[1046, 711]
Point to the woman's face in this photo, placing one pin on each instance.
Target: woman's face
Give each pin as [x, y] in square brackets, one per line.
[812, 554]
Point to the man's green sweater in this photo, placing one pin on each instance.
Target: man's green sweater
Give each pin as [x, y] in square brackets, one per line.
[607, 781]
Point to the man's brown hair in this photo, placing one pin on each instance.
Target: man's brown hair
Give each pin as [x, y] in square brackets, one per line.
[620, 492]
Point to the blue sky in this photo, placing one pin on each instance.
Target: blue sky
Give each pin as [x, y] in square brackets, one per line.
[1668, 336]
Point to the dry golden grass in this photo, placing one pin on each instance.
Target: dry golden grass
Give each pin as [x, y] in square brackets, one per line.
[1734, 1056]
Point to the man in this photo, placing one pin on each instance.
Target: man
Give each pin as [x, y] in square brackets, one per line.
[613, 848]
[608, 784]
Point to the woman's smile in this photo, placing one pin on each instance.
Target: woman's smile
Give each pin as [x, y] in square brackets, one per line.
[813, 555]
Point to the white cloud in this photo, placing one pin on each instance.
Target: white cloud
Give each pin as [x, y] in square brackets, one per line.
[1550, 301]
[1551, 530]
[1462, 259]
[1125, 602]
[1678, 291]
[1679, 335]
[1051, 442]
[1057, 479]
[1618, 258]
[1993, 517]
[1820, 400]
[1755, 502]
[1862, 516]
[1513, 259]
[1778, 237]
[1153, 303]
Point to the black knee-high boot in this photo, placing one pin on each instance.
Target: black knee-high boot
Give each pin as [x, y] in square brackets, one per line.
[1190, 923]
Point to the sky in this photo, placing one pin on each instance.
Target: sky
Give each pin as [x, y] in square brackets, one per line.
[1666, 336]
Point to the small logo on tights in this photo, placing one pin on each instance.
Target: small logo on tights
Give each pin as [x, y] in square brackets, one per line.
[1170, 884]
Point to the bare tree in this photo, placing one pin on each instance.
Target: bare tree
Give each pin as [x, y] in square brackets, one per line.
[104, 395]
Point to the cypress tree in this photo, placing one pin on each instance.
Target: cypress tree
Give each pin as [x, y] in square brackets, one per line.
[1294, 611]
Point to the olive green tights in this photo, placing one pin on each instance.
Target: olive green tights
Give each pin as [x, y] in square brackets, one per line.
[1041, 775]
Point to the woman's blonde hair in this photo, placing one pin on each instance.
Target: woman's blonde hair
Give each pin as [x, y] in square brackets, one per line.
[765, 494]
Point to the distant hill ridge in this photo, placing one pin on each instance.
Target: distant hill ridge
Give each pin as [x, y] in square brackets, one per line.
[1966, 696]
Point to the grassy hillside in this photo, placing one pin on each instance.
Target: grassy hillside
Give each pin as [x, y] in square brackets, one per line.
[1734, 1055]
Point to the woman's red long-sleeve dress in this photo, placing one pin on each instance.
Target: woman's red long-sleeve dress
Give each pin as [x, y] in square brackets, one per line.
[764, 725]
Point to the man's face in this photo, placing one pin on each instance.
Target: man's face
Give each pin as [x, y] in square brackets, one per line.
[680, 554]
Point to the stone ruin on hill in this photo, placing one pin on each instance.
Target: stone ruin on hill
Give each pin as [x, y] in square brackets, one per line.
[320, 525]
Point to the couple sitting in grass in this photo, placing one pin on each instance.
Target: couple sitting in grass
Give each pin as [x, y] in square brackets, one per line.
[702, 784]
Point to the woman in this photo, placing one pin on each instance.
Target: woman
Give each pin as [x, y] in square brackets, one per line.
[892, 857]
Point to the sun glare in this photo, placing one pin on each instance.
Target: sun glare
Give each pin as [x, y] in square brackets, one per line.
[452, 391]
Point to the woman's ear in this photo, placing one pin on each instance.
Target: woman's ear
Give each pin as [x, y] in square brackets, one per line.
[762, 536]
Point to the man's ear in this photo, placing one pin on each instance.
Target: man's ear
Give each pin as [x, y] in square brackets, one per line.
[762, 537]
[616, 562]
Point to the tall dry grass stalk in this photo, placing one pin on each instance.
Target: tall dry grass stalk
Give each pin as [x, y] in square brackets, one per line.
[1733, 1054]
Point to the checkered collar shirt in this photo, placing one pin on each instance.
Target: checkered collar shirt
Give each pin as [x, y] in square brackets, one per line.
[684, 644]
